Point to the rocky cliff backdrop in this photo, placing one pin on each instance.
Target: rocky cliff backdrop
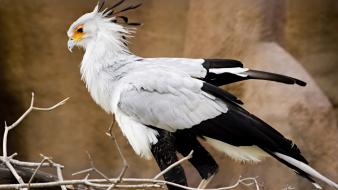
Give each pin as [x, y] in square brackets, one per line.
[294, 37]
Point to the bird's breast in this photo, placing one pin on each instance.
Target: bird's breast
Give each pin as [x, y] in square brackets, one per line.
[100, 90]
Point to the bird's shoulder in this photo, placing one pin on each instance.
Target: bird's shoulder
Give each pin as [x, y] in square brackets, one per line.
[159, 77]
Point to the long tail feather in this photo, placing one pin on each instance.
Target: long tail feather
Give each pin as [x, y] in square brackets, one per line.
[307, 169]
[221, 77]
[254, 74]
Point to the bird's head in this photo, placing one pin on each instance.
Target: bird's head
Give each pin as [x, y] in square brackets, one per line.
[106, 23]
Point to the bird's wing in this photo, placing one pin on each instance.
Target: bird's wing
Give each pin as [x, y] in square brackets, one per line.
[168, 99]
[152, 95]
[221, 71]
[174, 101]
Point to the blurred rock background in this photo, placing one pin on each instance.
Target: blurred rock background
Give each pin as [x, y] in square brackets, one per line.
[294, 37]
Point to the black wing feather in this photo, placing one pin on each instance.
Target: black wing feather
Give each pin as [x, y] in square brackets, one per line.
[238, 127]
[221, 63]
[227, 78]
[220, 93]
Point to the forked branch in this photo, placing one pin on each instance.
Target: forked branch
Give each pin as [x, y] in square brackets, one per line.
[7, 160]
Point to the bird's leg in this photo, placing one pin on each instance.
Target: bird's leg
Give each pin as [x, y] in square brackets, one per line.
[164, 152]
[206, 166]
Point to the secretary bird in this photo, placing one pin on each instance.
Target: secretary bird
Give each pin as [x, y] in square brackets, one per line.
[163, 104]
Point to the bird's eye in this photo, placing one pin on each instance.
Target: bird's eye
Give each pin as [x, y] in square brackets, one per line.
[79, 30]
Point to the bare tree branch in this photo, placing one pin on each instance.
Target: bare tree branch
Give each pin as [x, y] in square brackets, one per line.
[5, 157]
[35, 171]
[92, 168]
[58, 170]
[145, 183]
[174, 165]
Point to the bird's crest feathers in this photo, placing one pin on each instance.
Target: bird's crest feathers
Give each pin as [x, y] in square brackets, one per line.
[114, 14]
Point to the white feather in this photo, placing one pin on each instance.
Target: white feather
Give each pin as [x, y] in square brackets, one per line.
[307, 169]
[236, 70]
[140, 137]
[191, 66]
[241, 153]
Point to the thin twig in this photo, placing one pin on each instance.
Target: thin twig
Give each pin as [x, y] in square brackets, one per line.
[29, 164]
[60, 176]
[12, 156]
[82, 172]
[174, 165]
[111, 134]
[95, 169]
[5, 158]
[35, 171]
[58, 169]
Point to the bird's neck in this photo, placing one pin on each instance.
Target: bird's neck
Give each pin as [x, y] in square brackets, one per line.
[106, 51]
[101, 68]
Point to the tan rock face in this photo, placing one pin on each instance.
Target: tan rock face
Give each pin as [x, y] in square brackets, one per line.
[311, 36]
[34, 57]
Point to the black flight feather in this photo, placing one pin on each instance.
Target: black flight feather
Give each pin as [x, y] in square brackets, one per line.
[238, 127]
[221, 63]
[220, 93]
[222, 78]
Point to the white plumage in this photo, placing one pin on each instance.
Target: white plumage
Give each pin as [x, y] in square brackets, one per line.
[242, 154]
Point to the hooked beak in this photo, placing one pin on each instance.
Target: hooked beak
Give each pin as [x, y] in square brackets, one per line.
[71, 43]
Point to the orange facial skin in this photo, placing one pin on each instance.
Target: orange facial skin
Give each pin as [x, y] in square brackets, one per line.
[78, 33]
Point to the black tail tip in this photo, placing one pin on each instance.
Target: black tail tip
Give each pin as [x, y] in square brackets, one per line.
[300, 83]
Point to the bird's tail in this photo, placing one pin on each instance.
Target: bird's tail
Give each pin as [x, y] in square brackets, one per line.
[225, 76]
[262, 75]
[304, 170]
